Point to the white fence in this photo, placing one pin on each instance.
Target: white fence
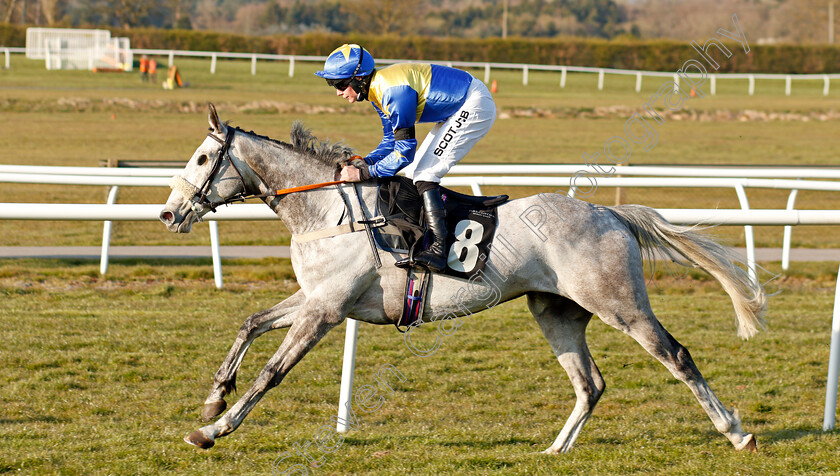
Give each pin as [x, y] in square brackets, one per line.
[747, 217]
[525, 68]
[663, 177]
[7, 51]
[562, 70]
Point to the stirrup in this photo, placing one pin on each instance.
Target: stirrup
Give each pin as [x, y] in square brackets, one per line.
[427, 260]
[404, 263]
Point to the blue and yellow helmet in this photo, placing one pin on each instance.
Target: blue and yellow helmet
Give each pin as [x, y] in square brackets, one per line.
[347, 61]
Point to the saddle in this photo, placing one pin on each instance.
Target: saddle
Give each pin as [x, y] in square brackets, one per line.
[400, 206]
[471, 223]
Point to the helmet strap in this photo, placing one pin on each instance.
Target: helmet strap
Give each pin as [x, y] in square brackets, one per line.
[362, 86]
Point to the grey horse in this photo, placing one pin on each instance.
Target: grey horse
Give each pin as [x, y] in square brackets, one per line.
[571, 259]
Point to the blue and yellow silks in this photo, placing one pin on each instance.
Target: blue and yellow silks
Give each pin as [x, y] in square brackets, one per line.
[406, 94]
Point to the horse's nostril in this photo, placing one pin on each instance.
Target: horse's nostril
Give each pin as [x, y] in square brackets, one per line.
[166, 217]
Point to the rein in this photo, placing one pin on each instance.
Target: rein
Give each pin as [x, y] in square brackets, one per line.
[304, 188]
[199, 196]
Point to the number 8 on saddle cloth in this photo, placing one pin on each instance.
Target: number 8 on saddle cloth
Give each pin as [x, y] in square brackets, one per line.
[471, 223]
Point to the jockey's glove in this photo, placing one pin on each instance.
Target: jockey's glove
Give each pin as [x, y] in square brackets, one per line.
[364, 171]
[359, 163]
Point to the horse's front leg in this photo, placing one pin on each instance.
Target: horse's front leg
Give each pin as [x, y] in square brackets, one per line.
[224, 382]
[313, 321]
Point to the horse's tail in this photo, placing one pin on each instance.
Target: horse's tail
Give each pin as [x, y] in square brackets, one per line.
[679, 243]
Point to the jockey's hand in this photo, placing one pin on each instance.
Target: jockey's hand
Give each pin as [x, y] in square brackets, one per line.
[350, 174]
[354, 170]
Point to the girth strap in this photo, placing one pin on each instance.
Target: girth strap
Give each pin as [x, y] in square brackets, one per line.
[376, 222]
[327, 232]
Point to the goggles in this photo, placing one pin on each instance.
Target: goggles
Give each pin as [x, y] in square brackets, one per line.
[340, 84]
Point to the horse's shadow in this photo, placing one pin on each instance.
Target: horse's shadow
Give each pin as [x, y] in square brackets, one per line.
[766, 438]
[465, 443]
[34, 419]
[792, 434]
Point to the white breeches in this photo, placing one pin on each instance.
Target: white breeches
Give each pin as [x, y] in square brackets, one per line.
[449, 141]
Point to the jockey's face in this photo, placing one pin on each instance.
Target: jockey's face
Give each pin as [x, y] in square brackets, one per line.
[349, 94]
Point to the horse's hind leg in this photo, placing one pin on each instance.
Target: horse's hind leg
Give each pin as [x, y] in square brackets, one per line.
[638, 321]
[564, 323]
[280, 316]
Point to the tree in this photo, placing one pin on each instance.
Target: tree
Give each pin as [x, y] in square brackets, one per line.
[247, 19]
[52, 10]
[10, 8]
[129, 13]
[179, 10]
[207, 16]
[383, 16]
[810, 18]
[272, 15]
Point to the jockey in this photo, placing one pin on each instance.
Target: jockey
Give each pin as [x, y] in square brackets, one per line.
[403, 95]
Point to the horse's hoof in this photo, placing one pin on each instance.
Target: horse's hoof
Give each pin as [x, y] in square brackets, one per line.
[750, 445]
[197, 438]
[212, 410]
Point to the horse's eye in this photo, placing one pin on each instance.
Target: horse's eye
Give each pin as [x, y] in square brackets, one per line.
[202, 160]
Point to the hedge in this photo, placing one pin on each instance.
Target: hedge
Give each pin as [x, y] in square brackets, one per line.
[648, 55]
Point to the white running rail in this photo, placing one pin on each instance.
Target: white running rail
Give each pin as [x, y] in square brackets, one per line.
[745, 216]
[677, 177]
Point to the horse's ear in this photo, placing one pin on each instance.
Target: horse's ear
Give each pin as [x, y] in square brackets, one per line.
[213, 119]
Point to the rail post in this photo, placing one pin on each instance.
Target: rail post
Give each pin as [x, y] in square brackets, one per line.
[217, 256]
[106, 234]
[833, 364]
[748, 232]
[788, 232]
[347, 372]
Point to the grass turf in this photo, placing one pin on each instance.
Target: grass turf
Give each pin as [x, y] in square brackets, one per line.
[107, 375]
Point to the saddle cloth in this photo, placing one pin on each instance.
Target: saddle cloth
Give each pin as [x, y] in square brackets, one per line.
[471, 223]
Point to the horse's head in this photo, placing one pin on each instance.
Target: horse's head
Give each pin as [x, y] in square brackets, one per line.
[209, 180]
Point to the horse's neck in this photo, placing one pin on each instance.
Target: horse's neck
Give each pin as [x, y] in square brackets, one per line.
[277, 168]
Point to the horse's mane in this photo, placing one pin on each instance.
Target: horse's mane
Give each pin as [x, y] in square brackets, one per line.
[303, 141]
[330, 153]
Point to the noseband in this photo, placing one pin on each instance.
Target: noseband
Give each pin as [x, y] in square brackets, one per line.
[198, 195]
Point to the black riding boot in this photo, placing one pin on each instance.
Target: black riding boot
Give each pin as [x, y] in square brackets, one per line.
[434, 258]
